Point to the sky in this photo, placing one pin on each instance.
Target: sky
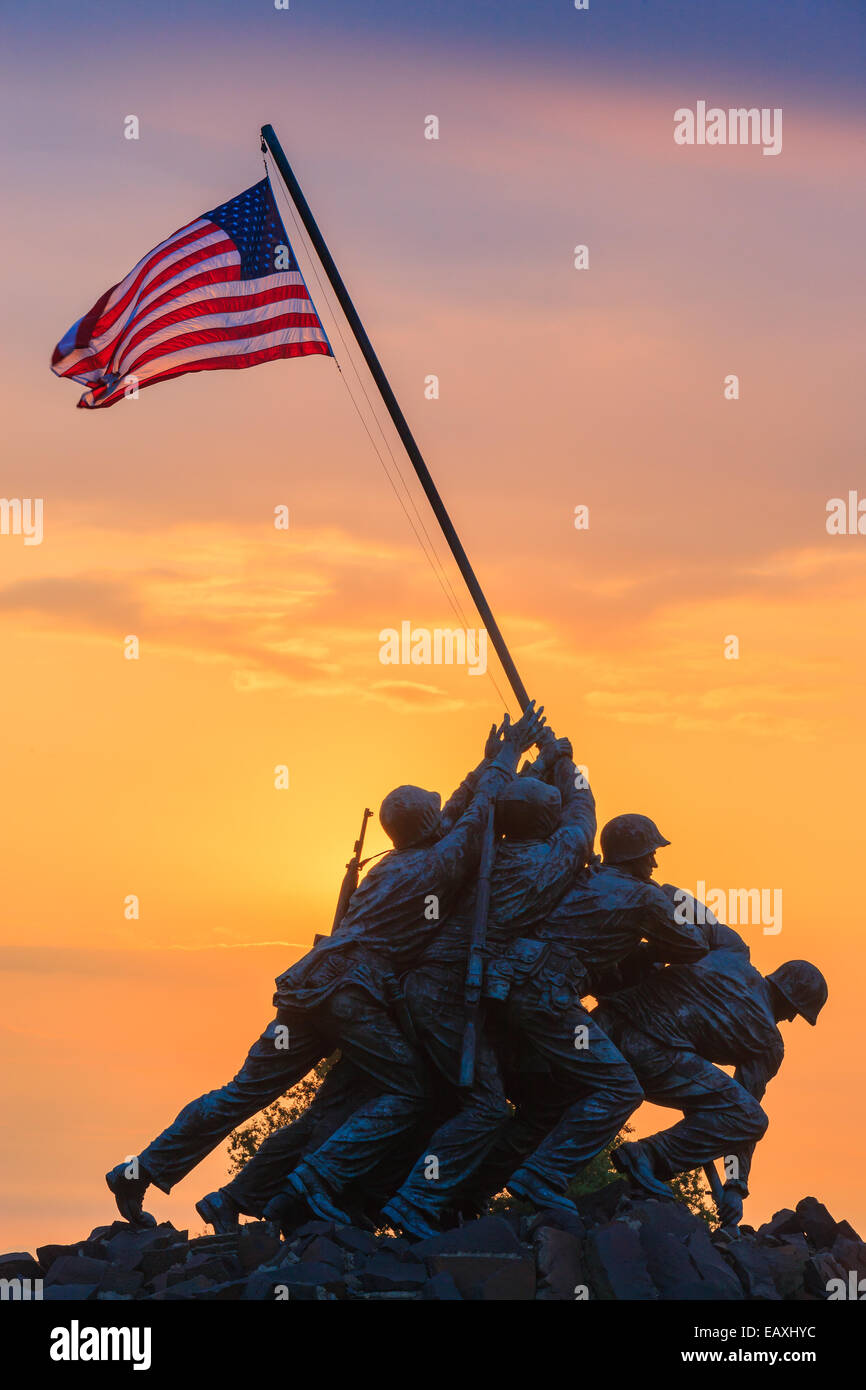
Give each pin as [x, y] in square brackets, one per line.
[558, 388]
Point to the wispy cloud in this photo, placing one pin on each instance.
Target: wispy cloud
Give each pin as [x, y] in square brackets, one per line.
[303, 614]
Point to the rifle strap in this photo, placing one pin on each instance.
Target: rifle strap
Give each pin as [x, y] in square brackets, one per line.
[370, 857]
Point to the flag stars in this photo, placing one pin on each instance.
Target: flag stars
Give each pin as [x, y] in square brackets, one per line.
[252, 222]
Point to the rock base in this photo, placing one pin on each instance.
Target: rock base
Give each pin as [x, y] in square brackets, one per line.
[619, 1247]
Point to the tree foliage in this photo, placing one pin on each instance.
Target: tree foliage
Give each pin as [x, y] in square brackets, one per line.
[244, 1142]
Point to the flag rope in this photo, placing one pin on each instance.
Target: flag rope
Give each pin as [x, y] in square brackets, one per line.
[430, 554]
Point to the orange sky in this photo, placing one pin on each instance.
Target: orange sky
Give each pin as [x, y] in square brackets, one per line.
[605, 387]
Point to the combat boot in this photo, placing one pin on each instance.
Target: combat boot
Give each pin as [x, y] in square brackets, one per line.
[409, 1219]
[305, 1184]
[630, 1160]
[219, 1211]
[529, 1187]
[129, 1195]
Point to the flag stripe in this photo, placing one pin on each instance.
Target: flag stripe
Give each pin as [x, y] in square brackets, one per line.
[218, 249]
[124, 292]
[110, 345]
[221, 314]
[243, 334]
[238, 297]
[227, 360]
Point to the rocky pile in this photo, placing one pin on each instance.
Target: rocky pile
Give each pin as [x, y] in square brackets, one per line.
[619, 1247]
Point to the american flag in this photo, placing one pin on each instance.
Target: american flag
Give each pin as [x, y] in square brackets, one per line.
[225, 291]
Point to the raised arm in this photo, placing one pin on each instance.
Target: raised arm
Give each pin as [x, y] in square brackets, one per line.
[568, 849]
[670, 940]
[718, 936]
[578, 802]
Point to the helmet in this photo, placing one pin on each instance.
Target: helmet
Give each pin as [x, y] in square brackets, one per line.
[409, 814]
[804, 987]
[630, 837]
[528, 809]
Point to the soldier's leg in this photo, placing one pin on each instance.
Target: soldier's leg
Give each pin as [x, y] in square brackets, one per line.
[538, 1105]
[453, 1153]
[601, 1088]
[339, 1094]
[283, 1054]
[719, 1115]
[536, 1098]
[368, 1036]
[391, 1172]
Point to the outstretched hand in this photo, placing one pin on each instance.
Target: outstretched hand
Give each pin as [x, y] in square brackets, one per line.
[546, 740]
[494, 739]
[551, 748]
[527, 730]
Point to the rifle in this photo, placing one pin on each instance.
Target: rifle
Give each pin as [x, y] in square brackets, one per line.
[477, 943]
[718, 1191]
[350, 880]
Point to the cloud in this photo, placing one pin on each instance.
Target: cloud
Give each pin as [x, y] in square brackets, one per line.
[750, 709]
[412, 694]
[96, 601]
[304, 612]
[239, 946]
[300, 612]
[140, 963]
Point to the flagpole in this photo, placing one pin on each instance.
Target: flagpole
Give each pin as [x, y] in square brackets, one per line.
[270, 140]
